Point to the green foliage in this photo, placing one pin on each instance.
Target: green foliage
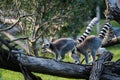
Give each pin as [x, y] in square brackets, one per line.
[71, 12]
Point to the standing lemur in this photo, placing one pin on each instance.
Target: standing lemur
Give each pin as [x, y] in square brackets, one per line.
[63, 45]
[93, 43]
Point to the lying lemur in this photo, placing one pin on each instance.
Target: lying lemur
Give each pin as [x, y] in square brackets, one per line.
[63, 45]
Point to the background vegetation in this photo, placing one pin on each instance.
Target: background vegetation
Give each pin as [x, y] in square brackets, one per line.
[64, 18]
[69, 15]
[10, 75]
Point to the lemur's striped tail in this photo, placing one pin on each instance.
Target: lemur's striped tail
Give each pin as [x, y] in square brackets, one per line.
[88, 30]
[104, 30]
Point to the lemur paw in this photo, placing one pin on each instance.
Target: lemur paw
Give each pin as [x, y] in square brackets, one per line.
[58, 60]
[77, 62]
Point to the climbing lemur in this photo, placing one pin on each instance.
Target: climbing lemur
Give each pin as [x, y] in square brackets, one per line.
[93, 43]
[63, 45]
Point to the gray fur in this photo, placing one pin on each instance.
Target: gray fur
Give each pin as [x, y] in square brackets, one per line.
[63, 45]
[92, 43]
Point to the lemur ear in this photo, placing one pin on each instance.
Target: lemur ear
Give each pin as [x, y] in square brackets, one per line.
[46, 41]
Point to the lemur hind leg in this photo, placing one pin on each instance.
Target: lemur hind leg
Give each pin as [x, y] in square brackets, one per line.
[86, 57]
[93, 53]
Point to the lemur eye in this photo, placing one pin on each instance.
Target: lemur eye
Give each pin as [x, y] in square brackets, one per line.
[47, 44]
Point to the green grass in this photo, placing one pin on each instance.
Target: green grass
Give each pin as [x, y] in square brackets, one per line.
[49, 77]
[116, 51]
[10, 75]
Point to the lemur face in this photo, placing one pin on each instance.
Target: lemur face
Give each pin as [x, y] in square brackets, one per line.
[46, 45]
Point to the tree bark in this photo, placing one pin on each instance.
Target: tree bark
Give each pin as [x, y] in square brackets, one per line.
[112, 11]
[9, 61]
[112, 72]
[112, 42]
[52, 67]
[12, 61]
[22, 44]
[98, 66]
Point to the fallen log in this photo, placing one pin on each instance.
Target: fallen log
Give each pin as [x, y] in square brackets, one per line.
[98, 66]
[16, 60]
[46, 66]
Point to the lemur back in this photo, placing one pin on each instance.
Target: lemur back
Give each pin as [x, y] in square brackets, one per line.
[93, 43]
[63, 45]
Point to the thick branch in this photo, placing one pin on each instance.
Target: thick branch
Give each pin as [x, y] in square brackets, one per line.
[8, 61]
[52, 67]
[21, 44]
[112, 37]
[112, 10]
[110, 77]
[112, 42]
[46, 66]
[112, 72]
[98, 66]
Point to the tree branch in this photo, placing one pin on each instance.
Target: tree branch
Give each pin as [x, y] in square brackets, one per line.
[112, 42]
[21, 38]
[52, 67]
[21, 44]
[47, 66]
[17, 21]
[98, 66]
[112, 11]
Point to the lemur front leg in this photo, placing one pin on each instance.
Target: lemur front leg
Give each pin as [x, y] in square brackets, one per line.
[56, 56]
[60, 56]
[75, 56]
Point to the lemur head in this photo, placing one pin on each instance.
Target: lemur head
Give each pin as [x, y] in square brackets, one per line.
[46, 44]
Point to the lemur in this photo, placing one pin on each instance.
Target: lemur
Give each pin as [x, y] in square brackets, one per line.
[92, 43]
[63, 45]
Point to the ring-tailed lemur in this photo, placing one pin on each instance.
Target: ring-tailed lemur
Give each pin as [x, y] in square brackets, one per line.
[93, 43]
[63, 45]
